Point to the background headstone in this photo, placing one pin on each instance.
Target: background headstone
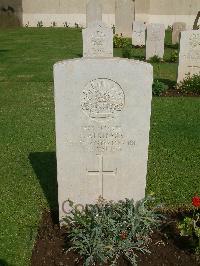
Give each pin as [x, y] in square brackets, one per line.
[97, 40]
[189, 55]
[124, 17]
[93, 11]
[139, 33]
[155, 40]
[177, 28]
[102, 111]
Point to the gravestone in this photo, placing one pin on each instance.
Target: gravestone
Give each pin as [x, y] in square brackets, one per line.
[103, 108]
[177, 28]
[189, 55]
[155, 40]
[93, 11]
[97, 40]
[138, 35]
[124, 17]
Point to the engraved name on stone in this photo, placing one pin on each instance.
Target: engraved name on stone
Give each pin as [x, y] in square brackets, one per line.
[97, 41]
[155, 35]
[193, 53]
[102, 99]
[102, 138]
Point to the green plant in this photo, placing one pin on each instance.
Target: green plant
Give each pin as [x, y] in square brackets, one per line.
[158, 88]
[40, 24]
[155, 59]
[113, 28]
[190, 84]
[169, 28]
[53, 24]
[127, 52]
[121, 42]
[190, 226]
[101, 233]
[174, 56]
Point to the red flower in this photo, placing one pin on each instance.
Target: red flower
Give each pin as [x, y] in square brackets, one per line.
[196, 201]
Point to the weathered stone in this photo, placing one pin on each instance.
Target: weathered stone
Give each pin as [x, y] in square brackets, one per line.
[189, 55]
[155, 40]
[103, 111]
[177, 28]
[124, 16]
[93, 11]
[139, 32]
[97, 41]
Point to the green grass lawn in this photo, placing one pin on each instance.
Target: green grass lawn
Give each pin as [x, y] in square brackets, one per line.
[27, 136]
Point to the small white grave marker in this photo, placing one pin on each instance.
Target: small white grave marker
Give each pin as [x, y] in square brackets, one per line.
[155, 40]
[189, 55]
[138, 36]
[93, 11]
[177, 28]
[97, 40]
[124, 16]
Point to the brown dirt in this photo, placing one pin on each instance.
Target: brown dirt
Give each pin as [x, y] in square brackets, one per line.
[177, 93]
[167, 248]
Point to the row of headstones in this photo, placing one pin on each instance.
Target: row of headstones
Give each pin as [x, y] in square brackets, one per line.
[103, 107]
[189, 55]
[155, 32]
[98, 42]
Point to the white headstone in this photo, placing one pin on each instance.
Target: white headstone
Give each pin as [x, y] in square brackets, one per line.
[124, 16]
[189, 55]
[155, 40]
[97, 41]
[177, 28]
[103, 111]
[93, 11]
[138, 36]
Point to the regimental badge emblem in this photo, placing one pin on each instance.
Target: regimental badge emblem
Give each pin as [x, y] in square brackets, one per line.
[102, 99]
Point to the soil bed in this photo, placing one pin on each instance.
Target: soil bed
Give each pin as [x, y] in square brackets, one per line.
[177, 93]
[167, 247]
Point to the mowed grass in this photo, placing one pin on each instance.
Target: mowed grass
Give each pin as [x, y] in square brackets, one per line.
[27, 136]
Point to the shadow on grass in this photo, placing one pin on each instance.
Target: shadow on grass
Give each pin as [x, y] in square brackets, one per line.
[170, 83]
[139, 57]
[44, 165]
[79, 55]
[3, 51]
[4, 263]
[172, 46]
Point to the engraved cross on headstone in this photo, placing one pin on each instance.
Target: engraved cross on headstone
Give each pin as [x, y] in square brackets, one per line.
[101, 171]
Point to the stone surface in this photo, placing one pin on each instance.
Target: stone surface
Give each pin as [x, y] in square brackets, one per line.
[177, 28]
[124, 17]
[103, 111]
[155, 40]
[139, 33]
[97, 40]
[93, 11]
[189, 55]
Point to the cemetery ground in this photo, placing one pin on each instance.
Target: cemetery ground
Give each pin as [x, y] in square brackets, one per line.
[27, 138]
